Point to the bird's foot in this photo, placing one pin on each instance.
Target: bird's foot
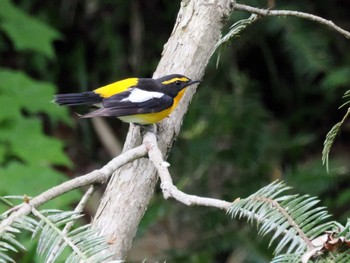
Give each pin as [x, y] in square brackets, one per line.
[148, 128]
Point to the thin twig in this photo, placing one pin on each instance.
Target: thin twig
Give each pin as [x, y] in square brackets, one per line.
[78, 209]
[95, 177]
[168, 188]
[268, 12]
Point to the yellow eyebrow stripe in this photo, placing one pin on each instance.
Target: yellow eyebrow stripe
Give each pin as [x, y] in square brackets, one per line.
[116, 87]
[174, 79]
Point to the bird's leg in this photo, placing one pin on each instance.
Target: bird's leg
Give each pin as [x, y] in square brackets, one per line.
[148, 128]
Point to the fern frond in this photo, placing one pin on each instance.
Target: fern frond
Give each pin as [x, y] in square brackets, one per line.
[8, 241]
[340, 258]
[236, 28]
[234, 31]
[294, 220]
[295, 258]
[332, 134]
[6, 202]
[327, 144]
[287, 258]
[83, 241]
[346, 96]
[344, 231]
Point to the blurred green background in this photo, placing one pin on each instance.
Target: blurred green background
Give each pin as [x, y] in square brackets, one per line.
[261, 115]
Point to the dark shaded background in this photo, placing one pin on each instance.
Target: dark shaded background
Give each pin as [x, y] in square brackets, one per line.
[261, 115]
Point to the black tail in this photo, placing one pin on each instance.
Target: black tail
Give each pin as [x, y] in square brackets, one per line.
[72, 99]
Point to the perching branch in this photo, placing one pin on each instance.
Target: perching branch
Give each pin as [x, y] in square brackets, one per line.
[101, 176]
[182, 54]
[168, 188]
[191, 44]
[150, 145]
[95, 177]
[268, 12]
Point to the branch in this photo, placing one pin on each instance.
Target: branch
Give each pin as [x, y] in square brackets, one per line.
[102, 175]
[191, 44]
[171, 191]
[95, 177]
[168, 188]
[267, 12]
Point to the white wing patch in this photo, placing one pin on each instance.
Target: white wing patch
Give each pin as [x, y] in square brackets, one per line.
[138, 95]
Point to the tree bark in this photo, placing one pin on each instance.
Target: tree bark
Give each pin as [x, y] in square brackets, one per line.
[188, 50]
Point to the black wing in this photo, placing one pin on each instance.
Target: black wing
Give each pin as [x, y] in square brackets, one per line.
[114, 106]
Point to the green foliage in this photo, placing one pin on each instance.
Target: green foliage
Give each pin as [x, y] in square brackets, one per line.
[26, 32]
[229, 119]
[293, 221]
[234, 31]
[27, 154]
[20, 93]
[83, 242]
[261, 115]
[291, 218]
[331, 135]
[295, 258]
[10, 243]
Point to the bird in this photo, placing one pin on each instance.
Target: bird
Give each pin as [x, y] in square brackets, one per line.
[142, 101]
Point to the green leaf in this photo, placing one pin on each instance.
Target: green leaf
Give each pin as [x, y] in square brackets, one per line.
[27, 32]
[3, 152]
[9, 108]
[28, 143]
[22, 138]
[32, 95]
[19, 179]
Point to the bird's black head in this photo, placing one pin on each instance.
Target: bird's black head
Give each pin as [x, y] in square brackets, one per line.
[174, 83]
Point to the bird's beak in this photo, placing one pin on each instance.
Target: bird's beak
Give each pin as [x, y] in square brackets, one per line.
[193, 82]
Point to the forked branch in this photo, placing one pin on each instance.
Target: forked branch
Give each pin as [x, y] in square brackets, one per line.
[102, 175]
[95, 177]
[168, 188]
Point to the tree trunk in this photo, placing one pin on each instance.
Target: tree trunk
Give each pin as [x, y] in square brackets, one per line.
[188, 50]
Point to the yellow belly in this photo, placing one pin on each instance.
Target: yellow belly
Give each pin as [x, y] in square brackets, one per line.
[147, 118]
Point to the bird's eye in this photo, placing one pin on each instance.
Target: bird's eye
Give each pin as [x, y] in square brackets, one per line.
[178, 82]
